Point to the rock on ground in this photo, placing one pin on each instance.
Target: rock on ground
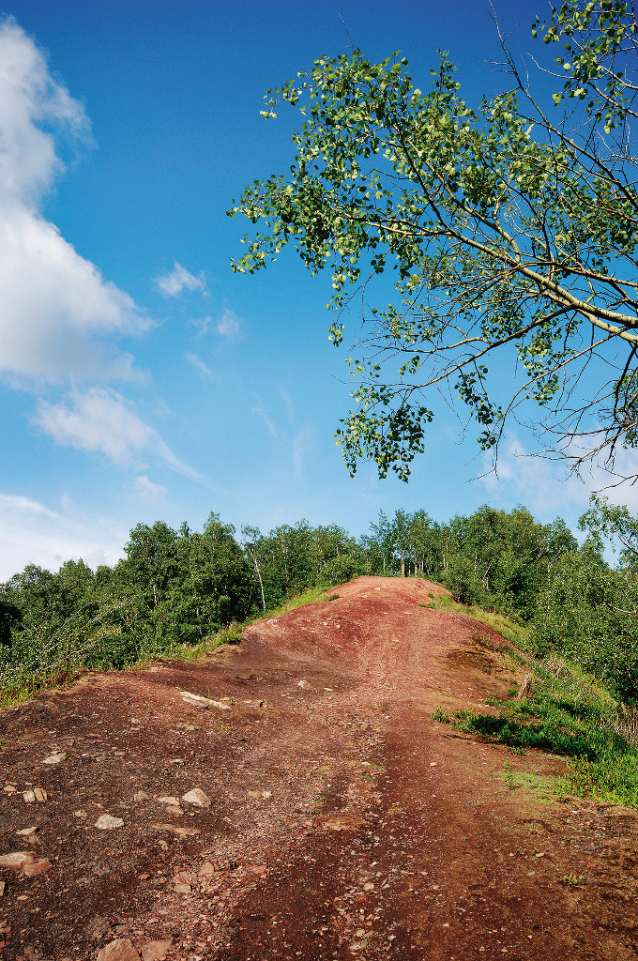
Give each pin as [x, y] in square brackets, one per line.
[119, 950]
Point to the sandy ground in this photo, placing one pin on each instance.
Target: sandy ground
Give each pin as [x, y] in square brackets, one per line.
[332, 816]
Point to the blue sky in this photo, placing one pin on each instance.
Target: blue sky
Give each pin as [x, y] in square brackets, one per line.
[140, 379]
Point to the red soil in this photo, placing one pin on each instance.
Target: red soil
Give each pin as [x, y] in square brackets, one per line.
[344, 821]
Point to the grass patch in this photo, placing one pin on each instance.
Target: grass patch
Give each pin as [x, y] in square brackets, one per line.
[441, 602]
[501, 623]
[568, 713]
[313, 595]
[553, 733]
[545, 788]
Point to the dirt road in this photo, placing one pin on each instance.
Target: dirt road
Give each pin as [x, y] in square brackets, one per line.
[292, 798]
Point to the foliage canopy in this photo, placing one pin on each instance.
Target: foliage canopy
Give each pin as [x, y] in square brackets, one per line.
[511, 226]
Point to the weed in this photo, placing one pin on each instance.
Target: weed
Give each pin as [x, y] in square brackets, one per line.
[573, 879]
[442, 602]
[508, 777]
[440, 715]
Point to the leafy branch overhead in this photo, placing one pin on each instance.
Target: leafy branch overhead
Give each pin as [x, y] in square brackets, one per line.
[511, 228]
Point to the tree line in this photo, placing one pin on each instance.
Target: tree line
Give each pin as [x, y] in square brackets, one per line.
[178, 587]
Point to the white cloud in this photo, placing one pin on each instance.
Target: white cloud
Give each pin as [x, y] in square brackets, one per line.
[547, 487]
[100, 420]
[179, 279]
[148, 492]
[54, 305]
[29, 97]
[97, 420]
[544, 486]
[31, 533]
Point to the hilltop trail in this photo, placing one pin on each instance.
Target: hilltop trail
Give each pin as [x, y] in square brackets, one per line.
[340, 820]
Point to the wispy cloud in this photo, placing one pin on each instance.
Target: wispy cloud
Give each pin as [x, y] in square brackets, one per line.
[199, 365]
[100, 420]
[32, 533]
[303, 444]
[547, 487]
[56, 309]
[147, 491]
[261, 411]
[229, 325]
[180, 279]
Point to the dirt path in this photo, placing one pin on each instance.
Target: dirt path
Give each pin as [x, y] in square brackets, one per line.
[338, 820]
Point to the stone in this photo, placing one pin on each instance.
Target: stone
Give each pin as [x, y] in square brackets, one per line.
[3, 885]
[140, 796]
[171, 801]
[156, 950]
[180, 888]
[25, 832]
[24, 861]
[197, 700]
[207, 869]
[9, 789]
[197, 797]
[15, 859]
[36, 794]
[121, 949]
[303, 684]
[35, 868]
[54, 758]
[106, 822]
[184, 832]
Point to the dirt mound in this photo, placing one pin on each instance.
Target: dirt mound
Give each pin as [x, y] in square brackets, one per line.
[292, 798]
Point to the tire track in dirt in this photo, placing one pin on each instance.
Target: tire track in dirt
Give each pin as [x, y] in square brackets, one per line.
[344, 823]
